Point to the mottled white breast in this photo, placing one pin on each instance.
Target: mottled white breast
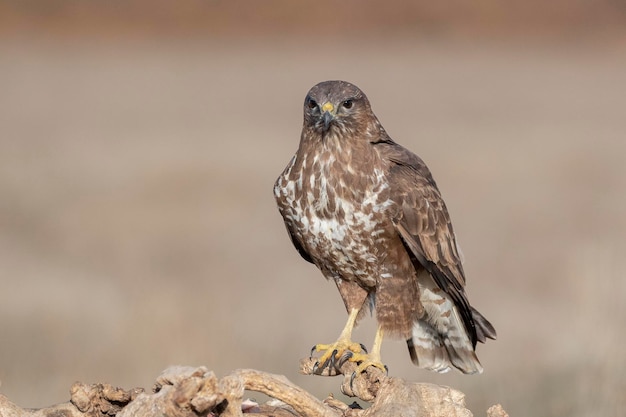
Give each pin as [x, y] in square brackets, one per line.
[340, 227]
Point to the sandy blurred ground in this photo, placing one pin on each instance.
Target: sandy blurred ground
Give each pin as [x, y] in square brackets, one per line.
[138, 228]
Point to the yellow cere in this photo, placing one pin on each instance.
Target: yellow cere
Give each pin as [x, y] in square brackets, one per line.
[328, 106]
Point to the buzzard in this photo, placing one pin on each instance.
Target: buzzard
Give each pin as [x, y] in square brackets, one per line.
[367, 212]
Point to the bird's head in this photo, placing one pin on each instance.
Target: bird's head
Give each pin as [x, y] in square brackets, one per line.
[336, 107]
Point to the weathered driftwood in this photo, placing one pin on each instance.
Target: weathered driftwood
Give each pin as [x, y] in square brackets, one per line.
[189, 392]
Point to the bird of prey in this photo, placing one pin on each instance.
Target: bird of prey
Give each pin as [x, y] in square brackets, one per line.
[367, 212]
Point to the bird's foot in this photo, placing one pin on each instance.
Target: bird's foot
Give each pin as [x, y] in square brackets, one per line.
[336, 354]
[366, 360]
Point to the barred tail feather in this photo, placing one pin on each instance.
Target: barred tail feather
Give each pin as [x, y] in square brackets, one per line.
[440, 340]
[436, 352]
[427, 351]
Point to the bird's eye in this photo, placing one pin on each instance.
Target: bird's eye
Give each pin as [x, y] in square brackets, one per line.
[347, 104]
[311, 104]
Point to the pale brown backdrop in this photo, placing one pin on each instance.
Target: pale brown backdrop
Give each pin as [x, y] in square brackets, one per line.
[139, 142]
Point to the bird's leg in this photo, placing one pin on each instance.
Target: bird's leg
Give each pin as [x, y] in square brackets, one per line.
[373, 358]
[343, 349]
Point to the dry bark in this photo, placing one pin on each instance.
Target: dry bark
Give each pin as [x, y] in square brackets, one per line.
[190, 392]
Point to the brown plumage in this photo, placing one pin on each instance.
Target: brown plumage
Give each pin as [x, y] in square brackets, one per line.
[368, 214]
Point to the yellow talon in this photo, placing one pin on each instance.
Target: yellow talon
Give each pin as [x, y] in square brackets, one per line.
[336, 354]
[371, 359]
[343, 349]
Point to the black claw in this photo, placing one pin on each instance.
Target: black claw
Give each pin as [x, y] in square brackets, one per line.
[344, 358]
[352, 380]
[363, 347]
[318, 368]
[313, 349]
[332, 360]
[386, 370]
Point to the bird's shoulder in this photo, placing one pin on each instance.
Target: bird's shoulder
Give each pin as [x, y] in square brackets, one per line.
[405, 170]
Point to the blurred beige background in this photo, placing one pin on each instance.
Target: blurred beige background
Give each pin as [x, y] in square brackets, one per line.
[139, 142]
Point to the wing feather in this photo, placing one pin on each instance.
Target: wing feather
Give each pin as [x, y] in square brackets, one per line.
[423, 223]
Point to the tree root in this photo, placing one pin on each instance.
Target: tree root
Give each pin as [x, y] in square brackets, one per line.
[189, 392]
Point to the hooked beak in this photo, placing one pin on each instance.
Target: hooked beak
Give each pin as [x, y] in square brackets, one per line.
[328, 114]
